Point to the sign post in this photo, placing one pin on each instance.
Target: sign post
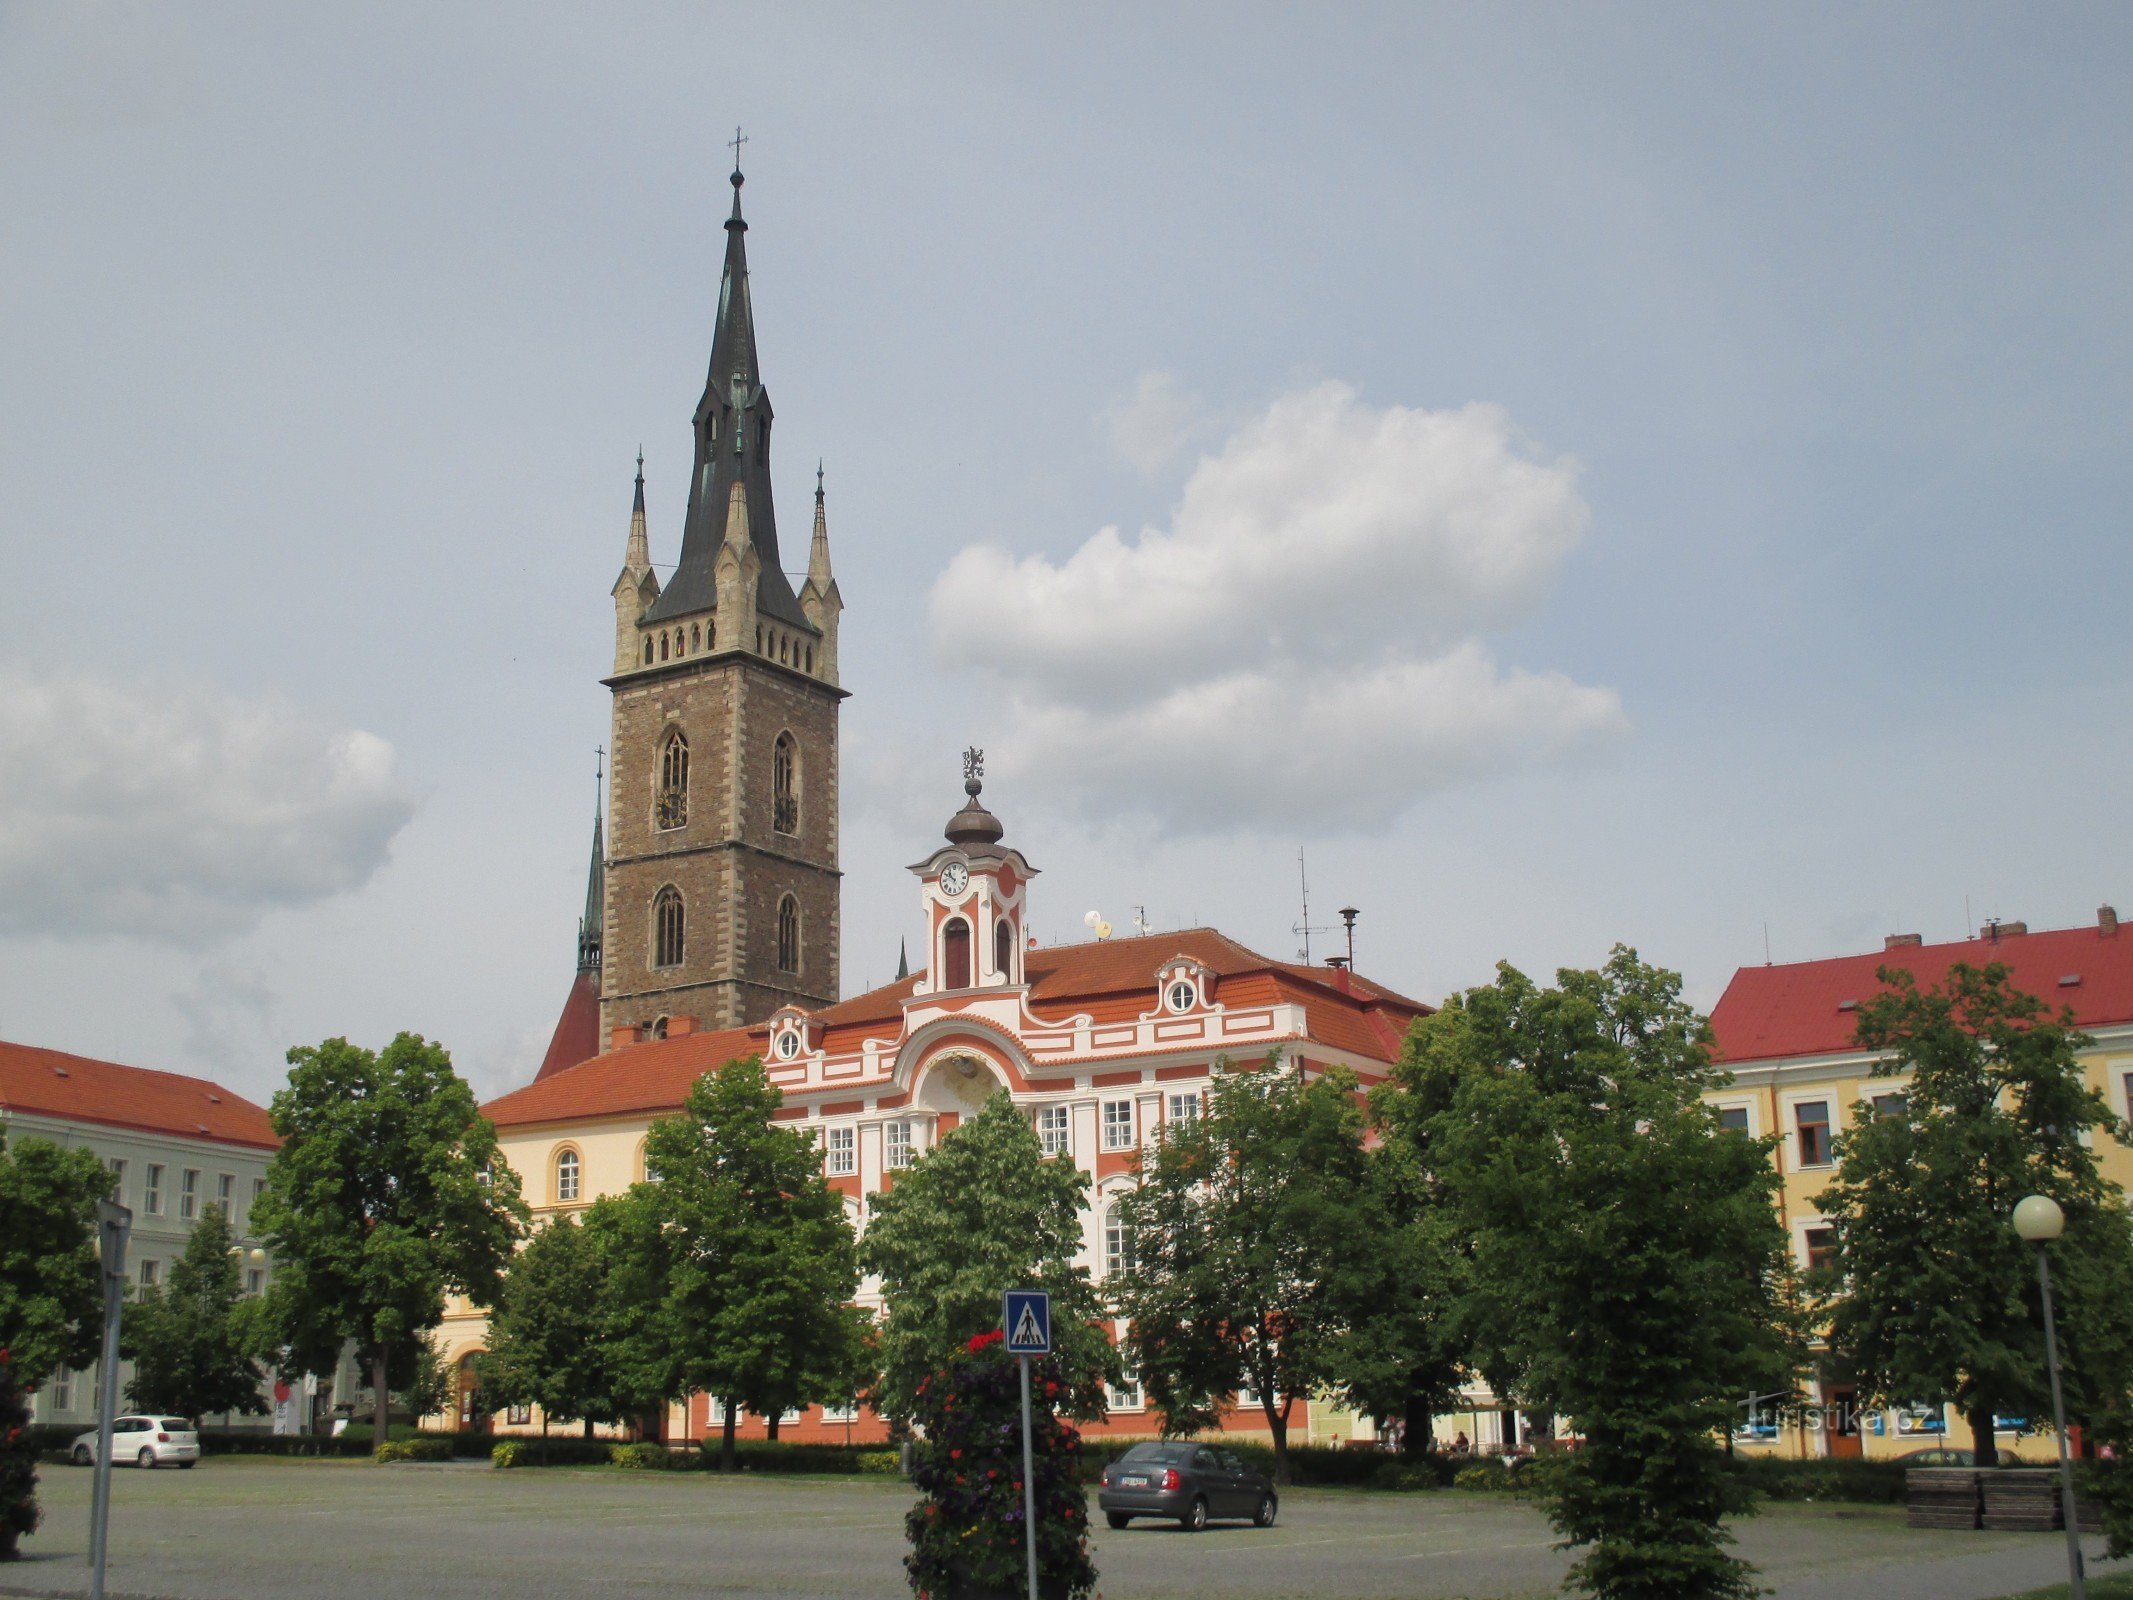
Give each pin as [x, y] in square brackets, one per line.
[113, 1224]
[1027, 1323]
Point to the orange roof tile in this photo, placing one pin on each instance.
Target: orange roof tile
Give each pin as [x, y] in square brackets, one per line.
[55, 1084]
[651, 1077]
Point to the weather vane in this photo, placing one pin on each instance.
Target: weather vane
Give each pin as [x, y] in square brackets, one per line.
[734, 144]
[973, 764]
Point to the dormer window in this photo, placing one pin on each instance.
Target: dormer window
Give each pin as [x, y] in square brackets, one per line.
[1182, 995]
[786, 1045]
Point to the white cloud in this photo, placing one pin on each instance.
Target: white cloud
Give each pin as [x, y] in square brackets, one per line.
[1303, 644]
[1155, 423]
[173, 814]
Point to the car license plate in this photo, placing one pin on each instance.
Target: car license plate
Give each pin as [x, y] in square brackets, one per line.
[1133, 1483]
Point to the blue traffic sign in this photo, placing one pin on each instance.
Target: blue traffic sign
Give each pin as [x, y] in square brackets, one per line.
[1027, 1322]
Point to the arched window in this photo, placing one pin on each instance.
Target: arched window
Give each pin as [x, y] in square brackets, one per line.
[647, 652]
[788, 935]
[672, 807]
[696, 635]
[810, 658]
[669, 932]
[566, 1175]
[711, 635]
[955, 954]
[1003, 950]
[662, 647]
[785, 785]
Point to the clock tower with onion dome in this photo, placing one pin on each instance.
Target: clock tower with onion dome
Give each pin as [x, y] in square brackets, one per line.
[975, 893]
[722, 884]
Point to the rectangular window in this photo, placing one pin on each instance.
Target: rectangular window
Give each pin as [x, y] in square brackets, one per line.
[1185, 1107]
[189, 1194]
[896, 1145]
[1052, 1130]
[152, 1190]
[519, 1416]
[255, 1280]
[118, 1181]
[62, 1390]
[1813, 1119]
[1126, 1396]
[1893, 1104]
[1734, 1119]
[259, 1187]
[1118, 1248]
[226, 1196]
[843, 1413]
[1821, 1248]
[1118, 1124]
[151, 1272]
[843, 1151]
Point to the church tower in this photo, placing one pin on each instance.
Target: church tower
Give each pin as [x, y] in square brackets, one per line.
[721, 900]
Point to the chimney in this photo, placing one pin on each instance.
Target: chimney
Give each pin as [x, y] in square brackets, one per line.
[623, 1035]
[2107, 921]
[1996, 930]
[1903, 941]
[680, 1027]
[1339, 964]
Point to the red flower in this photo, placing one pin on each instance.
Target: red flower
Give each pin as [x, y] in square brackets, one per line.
[980, 1341]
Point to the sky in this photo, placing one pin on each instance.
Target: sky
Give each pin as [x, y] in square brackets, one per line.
[1570, 474]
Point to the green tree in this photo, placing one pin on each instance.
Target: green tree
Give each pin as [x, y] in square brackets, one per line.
[1627, 1263]
[641, 1346]
[1931, 1295]
[385, 1195]
[19, 1513]
[51, 1298]
[191, 1341]
[764, 1264]
[1242, 1229]
[983, 1212]
[1400, 1349]
[545, 1332]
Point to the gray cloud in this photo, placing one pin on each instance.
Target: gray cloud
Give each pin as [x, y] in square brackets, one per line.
[172, 814]
[1304, 642]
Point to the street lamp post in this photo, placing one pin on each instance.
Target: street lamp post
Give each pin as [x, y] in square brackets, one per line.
[2039, 1220]
[114, 1223]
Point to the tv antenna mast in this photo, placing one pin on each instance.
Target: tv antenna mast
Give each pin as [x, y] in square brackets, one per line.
[1305, 927]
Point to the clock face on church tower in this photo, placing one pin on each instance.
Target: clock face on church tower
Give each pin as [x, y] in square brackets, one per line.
[955, 878]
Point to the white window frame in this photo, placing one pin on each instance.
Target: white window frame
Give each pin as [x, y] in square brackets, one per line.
[1183, 1106]
[255, 1280]
[151, 1272]
[189, 1195]
[1118, 1245]
[898, 1149]
[568, 1190]
[1118, 1131]
[61, 1390]
[1184, 987]
[1055, 1130]
[846, 1412]
[840, 1151]
[117, 1169]
[152, 1189]
[1127, 1396]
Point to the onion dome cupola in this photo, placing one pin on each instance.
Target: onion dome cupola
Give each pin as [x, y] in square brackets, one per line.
[974, 891]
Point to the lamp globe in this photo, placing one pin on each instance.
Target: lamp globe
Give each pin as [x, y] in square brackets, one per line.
[2039, 1219]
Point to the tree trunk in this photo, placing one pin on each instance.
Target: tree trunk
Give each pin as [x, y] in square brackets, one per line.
[588, 1427]
[1984, 1453]
[382, 1413]
[1418, 1437]
[770, 1425]
[1277, 1424]
[727, 1456]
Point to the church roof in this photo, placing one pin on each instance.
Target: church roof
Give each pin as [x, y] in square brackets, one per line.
[1112, 980]
[1810, 1008]
[577, 1030]
[734, 412]
[52, 1083]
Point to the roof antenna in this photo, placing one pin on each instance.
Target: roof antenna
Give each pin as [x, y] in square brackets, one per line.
[1348, 916]
[1305, 927]
[1766, 941]
[1141, 925]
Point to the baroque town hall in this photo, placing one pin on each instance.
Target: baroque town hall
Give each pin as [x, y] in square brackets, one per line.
[711, 923]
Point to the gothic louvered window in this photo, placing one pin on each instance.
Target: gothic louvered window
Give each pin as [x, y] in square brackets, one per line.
[785, 785]
[669, 932]
[955, 954]
[1003, 950]
[788, 935]
[672, 810]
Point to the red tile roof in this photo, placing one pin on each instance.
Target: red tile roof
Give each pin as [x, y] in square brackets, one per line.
[1112, 978]
[54, 1084]
[1798, 1009]
[577, 1030]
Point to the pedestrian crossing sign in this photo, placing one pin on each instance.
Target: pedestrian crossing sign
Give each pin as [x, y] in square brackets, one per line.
[1027, 1322]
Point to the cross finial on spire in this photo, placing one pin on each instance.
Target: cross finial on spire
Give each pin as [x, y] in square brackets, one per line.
[818, 477]
[734, 144]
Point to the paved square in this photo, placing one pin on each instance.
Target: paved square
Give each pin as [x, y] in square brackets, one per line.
[253, 1529]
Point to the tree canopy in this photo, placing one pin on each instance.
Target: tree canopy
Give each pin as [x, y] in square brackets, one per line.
[545, 1346]
[1628, 1265]
[764, 1265]
[1931, 1295]
[982, 1212]
[51, 1298]
[1243, 1228]
[385, 1196]
[192, 1340]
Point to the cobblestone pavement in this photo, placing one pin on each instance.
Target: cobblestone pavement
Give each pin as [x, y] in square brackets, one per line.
[251, 1529]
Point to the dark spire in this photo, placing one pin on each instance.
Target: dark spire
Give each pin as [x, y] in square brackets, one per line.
[595, 902]
[903, 961]
[637, 510]
[733, 425]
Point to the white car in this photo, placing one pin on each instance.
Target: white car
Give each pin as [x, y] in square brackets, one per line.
[144, 1441]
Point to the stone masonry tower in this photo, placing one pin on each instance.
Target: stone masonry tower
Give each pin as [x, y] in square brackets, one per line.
[722, 880]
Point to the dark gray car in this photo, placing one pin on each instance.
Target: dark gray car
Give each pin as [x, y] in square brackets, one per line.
[1192, 1483]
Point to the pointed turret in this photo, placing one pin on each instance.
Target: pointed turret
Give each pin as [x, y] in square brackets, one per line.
[733, 423]
[577, 1030]
[637, 587]
[589, 925]
[819, 598]
[903, 961]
